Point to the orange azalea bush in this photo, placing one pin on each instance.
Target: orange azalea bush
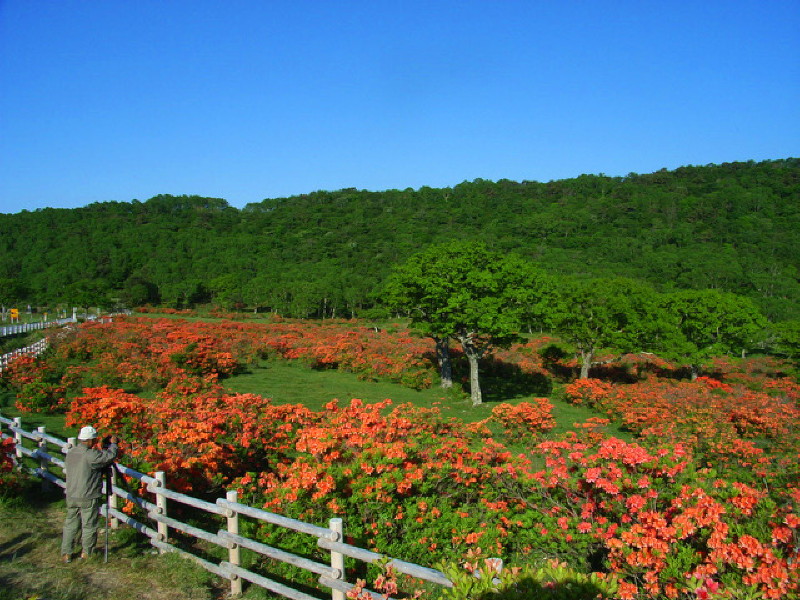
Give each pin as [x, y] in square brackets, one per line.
[705, 503]
[587, 391]
[38, 386]
[10, 480]
[421, 488]
[661, 522]
[148, 353]
[525, 420]
[720, 421]
[7, 453]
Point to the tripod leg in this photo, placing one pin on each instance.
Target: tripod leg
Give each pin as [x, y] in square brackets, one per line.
[108, 512]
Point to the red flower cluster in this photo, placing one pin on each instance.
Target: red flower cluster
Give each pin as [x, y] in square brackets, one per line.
[7, 450]
[525, 420]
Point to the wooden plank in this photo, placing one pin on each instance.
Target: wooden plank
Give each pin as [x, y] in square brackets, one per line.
[136, 474]
[280, 555]
[52, 439]
[263, 515]
[418, 571]
[50, 477]
[207, 565]
[25, 434]
[148, 506]
[191, 501]
[128, 520]
[42, 454]
[27, 451]
[195, 531]
[268, 584]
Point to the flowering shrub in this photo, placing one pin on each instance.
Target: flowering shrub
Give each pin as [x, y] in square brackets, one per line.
[137, 353]
[704, 504]
[659, 520]
[37, 385]
[370, 354]
[525, 420]
[480, 577]
[7, 450]
[10, 480]
[590, 392]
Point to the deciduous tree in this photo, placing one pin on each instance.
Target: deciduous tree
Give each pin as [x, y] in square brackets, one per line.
[466, 292]
[615, 313]
[712, 323]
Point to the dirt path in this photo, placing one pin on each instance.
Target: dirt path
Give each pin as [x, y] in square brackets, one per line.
[30, 565]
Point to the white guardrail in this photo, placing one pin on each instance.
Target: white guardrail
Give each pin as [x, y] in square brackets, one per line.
[40, 346]
[34, 349]
[7, 330]
[34, 446]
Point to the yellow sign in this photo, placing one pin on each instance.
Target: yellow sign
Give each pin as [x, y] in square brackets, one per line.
[14, 313]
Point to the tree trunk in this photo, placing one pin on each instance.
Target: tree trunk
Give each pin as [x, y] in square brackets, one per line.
[443, 360]
[474, 382]
[473, 354]
[586, 363]
[695, 371]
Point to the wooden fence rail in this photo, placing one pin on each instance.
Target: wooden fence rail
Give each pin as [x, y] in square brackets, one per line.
[32, 447]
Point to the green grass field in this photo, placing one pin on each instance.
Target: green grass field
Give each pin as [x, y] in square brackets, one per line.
[294, 383]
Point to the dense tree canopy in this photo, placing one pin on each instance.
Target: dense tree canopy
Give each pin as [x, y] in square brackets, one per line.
[711, 323]
[617, 313]
[465, 292]
[733, 227]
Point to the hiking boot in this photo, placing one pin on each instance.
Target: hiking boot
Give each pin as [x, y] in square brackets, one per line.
[66, 558]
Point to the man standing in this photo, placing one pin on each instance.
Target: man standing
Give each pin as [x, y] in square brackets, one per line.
[84, 474]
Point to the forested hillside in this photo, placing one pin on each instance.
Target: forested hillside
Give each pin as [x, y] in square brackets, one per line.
[734, 226]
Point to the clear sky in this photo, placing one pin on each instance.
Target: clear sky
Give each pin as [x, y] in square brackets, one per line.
[252, 99]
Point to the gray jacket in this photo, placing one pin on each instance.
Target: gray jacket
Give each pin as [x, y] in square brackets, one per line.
[84, 470]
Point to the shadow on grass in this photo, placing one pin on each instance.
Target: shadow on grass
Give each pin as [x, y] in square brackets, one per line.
[14, 548]
[502, 381]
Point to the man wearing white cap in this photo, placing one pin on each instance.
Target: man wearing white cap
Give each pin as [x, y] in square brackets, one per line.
[84, 474]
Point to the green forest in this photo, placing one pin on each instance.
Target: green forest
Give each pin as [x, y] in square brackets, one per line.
[732, 227]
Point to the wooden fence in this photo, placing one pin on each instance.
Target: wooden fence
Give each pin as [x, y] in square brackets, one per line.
[33, 448]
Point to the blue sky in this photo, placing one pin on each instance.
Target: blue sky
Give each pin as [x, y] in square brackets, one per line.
[245, 100]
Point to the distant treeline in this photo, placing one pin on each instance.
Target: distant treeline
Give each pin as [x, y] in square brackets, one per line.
[734, 227]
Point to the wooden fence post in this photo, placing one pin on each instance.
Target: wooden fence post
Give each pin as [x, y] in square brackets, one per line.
[18, 436]
[234, 552]
[43, 462]
[65, 450]
[161, 504]
[113, 501]
[337, 559]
